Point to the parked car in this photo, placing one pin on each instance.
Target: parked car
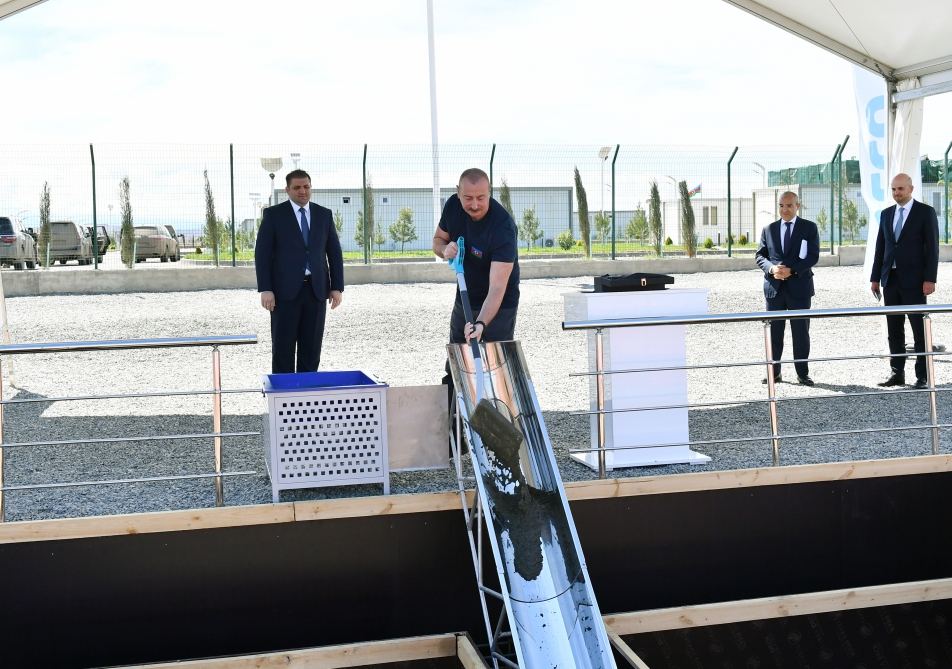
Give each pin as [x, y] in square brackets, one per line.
[175, 238]
[17, 244]
[154, 241]
[102, 240]
[69, 241]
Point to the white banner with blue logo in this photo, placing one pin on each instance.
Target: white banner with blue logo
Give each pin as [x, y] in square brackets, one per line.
[873, 118]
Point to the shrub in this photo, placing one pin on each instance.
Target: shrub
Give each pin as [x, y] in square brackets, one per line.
[668, 241]
[708, 243]
[742, 240]
[566, 241]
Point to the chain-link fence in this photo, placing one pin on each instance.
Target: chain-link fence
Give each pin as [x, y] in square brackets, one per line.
[205, 201]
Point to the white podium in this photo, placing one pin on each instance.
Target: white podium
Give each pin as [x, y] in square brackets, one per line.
[638, 347]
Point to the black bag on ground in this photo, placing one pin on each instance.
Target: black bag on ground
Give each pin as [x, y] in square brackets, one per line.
[612, 283]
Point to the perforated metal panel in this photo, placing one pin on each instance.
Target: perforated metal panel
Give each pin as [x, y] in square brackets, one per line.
[334, 437]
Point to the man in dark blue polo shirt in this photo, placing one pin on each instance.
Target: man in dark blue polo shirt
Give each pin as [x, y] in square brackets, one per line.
[491, 265]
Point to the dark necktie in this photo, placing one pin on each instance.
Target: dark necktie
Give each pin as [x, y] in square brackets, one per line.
[306, 231]
[786, 235]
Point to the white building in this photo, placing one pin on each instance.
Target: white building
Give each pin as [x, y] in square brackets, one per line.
[552, 205]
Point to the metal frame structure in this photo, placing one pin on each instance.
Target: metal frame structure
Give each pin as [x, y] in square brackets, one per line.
[599, 326]
[125, 344]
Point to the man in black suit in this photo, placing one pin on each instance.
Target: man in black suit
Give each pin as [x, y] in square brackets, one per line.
[905, 266]
[299, 267]
[789, 248]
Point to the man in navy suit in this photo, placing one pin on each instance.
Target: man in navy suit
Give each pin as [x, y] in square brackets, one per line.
[789, 248]
[905, 266]
[299, 267]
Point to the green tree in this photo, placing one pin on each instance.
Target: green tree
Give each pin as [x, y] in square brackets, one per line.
[850, 220]
[821, 221]
[45, 230]
[505, 199]
[403, 230]
[365, 219]
[126, 232]
[583, 228]
[654, 219]
[863, 222]
[529, 230]
[338, 222]
[637, 226]
[212, 231]
[603, 226]
[687, 221]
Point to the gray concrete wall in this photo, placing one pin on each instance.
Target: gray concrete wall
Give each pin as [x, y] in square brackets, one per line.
[88, 281]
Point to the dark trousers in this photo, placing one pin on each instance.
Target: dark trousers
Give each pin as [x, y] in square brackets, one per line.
[894, 294]
[799, 327]
[297, 326]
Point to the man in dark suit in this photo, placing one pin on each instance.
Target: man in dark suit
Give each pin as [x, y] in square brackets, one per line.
[789, 248]
[299, 267]
[905, 266]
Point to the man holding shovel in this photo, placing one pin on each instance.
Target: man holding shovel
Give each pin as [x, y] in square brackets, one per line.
[490, 265]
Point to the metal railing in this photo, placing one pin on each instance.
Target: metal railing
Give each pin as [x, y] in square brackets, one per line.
[125, 344]
[599, 326]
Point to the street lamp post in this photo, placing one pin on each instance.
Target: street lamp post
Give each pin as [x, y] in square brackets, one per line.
[603, 153]
[677, 205]
[271, 165]
[763, 175]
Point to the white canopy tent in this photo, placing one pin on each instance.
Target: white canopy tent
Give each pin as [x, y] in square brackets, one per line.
[8, 7]
[907, 44]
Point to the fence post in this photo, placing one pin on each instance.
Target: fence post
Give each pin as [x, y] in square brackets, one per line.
[945, 175]
[729, 236]
[614, 158]
[366, 210]
[492, 159]
[92, 160]
[836, 152]
[234, 223]
[839, 175]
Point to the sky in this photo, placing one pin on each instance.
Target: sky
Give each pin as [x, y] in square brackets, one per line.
[287, 74]
[687, 72]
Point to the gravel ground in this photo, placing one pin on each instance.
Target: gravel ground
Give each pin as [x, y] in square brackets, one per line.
[397, 332]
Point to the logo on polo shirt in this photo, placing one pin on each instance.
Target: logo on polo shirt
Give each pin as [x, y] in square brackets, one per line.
[475, 251]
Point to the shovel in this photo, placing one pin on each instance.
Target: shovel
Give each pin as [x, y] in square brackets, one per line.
[493, 428]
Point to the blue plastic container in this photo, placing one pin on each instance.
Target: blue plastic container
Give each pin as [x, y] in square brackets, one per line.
[283, 383]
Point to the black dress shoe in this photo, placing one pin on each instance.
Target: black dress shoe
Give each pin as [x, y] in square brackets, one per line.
[805, 381]
[921, 383]
[776, 379]
[895, 379]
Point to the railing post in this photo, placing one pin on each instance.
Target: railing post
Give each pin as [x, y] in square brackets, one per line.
[216, 424]
[600, 397]
[772, 396]
[930, 375]
[729, 244]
